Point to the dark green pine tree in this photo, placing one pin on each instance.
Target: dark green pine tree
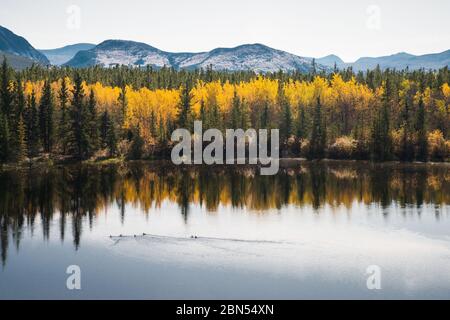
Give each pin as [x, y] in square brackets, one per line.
[93, 123]
[78, 142]
[46, 109]
[21, 148]
[123, 104]
[318, 134]
[245, 116]
[184, 113]
[4, 138]
[422, 141]
[6, 96]
[236, 112]
[204, 115]
[406, 147]
[302, 129]
[16, 146]
[286, 117]
[63, 125]
[32, 126]
[107, 133]
[381, 141]
[137, 145]
[265, 116]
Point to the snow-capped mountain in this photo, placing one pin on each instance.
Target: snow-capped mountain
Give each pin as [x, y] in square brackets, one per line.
[60, 56]
[256, 57]
[13, 44]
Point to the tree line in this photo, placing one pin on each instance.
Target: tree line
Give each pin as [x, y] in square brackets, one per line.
[100, 113]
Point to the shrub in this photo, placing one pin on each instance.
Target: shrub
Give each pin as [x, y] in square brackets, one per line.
[344, 148]
[437, 146]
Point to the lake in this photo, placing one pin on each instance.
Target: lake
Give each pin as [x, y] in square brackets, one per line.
[150, 230]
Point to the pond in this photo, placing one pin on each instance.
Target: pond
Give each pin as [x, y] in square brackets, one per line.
[150, 230]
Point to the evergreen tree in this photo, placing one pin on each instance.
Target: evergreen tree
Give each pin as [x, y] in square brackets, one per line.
[265, 116]
[286, 117]
[137, 144]
[6, 97]
[422, 141]
[32, 126]
[79, 141]
[406, 147]
[46, 117]
[245, 116]
[21, 140]
[185, 113]
[301, 124]
[63, 125]
[107, 134]
[204, 115]
[318, 134]
[4, 138]
[381, 136]
[236, 112]
[123, 103]
[93, 127]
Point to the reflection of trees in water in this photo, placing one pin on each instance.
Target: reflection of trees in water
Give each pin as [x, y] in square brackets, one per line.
[74, 196]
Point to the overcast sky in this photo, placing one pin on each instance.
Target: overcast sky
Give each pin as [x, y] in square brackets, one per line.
[348, 28]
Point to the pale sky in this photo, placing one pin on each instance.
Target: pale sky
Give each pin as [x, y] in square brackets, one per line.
[315, 28]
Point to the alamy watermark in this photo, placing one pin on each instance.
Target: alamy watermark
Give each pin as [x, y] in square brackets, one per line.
[374, 279]
[237, 140]
[73, 21]
[73, 281]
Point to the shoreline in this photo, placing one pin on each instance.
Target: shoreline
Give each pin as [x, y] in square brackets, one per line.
[284, 163]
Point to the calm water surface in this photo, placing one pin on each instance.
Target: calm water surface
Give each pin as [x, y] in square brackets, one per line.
[309, 232]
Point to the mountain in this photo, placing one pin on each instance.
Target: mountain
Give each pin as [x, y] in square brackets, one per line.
[13, 44]
[256, 57]
[331, 61]
[62, 55]
[16, 62]
[398, 61]
[404, 60]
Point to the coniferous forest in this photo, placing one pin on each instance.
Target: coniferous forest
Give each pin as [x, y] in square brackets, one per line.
[66, 114]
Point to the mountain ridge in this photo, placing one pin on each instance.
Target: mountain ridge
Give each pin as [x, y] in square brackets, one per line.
[256, 57]
[59, 56]
[13, 44]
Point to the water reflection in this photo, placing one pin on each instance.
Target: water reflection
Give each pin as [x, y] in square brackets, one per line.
[80, 193]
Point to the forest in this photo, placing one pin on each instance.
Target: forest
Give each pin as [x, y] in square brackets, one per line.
[61, 114]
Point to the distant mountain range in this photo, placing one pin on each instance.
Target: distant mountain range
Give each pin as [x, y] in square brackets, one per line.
[399, 61]
[60, 56]
[255, 57]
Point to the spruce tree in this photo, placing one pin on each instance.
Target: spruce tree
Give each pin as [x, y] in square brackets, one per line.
[92, 125]
[32, 126]
[301, 124]
[107, 133]
[422, 141]
[46, 109]
[185, 113]
[318, 134]
[286, 118]
[137, 144]
[236, 112]
[79, 141]
[63, 125]
[6, 97]
[21, 140]
[265, 116]
[4, 138]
